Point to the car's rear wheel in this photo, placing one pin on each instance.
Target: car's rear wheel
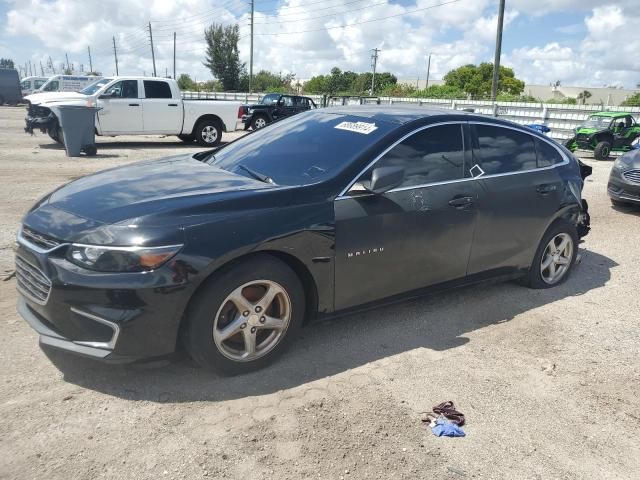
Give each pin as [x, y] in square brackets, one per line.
[602, 151]
[555, 256]
[259, 121]
[245, 316]
[187, 138]
[208, 133]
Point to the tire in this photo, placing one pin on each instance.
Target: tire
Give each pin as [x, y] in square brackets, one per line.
[208, 133]
[258, 122]
[57, 135]
[205, 337]
[602, 151]
[187, 138]
[540, 277]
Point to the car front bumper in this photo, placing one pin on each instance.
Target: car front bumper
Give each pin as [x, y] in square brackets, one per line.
[621, 189]
[119, 317]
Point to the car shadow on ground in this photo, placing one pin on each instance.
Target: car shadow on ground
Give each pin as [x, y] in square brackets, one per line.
[629, 209]
[324, 348]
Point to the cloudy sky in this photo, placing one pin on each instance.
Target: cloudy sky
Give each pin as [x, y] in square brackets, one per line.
[579, 42]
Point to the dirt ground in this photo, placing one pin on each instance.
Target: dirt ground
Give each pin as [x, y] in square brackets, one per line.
[549, 380]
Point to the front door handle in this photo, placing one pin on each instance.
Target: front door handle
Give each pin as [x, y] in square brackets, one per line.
[173, 104]
[461, 202]
[134, 104]
[546, 188]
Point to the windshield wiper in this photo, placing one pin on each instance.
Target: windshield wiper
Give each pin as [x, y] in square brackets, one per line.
[257, 175]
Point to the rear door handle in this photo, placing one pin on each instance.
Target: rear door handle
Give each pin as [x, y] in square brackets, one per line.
[134, 104]
[546, 188]
[461, 202]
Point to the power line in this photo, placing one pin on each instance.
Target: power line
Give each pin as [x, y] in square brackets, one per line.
[364, 21]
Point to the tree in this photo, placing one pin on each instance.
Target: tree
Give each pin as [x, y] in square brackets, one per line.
[632, 101]
[265, 81]
[185, 82]
[476, 80]
[222, 57]
[6, 63]
[584, 96]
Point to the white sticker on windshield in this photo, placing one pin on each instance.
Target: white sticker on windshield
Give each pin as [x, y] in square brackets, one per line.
[359, 127]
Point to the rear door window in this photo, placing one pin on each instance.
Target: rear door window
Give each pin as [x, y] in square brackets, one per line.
[502, 150]
[431, 155]
[546, 154]
[156, 89]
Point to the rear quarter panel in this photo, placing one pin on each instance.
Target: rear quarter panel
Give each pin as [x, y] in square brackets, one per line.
[226, 110]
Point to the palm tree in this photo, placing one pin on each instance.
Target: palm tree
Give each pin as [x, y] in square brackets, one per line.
[583, 96]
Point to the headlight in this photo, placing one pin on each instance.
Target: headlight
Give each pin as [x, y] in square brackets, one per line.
[120, 259]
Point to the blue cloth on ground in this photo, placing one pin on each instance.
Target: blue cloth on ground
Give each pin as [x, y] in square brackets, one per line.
[445, 428]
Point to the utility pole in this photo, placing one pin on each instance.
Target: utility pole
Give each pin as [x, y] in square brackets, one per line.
[174, 55]
[67, 56]
[374, 63]
[166, 72]
[496, 60]
[251, 53]
[115, 54]
[153, 54]
[90, 63]
[41, 69]
[428, 69]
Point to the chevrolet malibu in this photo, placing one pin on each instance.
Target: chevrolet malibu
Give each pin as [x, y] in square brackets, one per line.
[230, 252]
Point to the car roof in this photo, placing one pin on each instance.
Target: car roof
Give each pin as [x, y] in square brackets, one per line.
[401, 114]
[610, 114]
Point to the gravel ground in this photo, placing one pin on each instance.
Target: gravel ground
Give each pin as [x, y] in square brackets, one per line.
[549, 380]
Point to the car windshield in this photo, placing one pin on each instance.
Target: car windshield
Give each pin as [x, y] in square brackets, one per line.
[270, 99]
[302, 150]
[596, 121]
[95, 86]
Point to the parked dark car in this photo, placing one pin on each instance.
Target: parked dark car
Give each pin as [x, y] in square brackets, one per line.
[232, 251]
[272, 107]
[10, 91]
[624, 179]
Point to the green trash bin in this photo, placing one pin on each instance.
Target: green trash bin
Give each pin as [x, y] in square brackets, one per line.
[78, 124]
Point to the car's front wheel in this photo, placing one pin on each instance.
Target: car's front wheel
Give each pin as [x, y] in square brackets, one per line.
[245, 316]
[259, 121]
[555, 256]
[208, 133]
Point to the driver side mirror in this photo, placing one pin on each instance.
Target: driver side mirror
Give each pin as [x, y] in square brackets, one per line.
[384, 179]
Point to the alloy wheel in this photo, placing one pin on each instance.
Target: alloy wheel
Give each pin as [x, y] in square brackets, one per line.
[252, 320]
[209, 134]
[260, 122]
[556, 259]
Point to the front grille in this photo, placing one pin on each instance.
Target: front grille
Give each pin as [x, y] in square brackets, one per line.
[582, 136]
[38, 111]
[40, 240]
[32, 283]
[632, 176]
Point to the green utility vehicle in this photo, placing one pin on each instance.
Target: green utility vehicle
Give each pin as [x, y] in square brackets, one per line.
[604, 132]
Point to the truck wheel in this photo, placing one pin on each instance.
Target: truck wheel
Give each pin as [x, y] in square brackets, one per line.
[259, 121]
[602, 151]
[187, 138]
[57, 135]
[208, 133]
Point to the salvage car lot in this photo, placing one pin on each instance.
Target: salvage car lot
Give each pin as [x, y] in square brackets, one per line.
[548, 380]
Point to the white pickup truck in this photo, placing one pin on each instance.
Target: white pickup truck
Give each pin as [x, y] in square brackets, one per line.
[139, 106]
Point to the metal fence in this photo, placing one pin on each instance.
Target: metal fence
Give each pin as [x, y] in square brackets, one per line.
[561, 119]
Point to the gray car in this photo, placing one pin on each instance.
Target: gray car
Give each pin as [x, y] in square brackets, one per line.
[624, 180]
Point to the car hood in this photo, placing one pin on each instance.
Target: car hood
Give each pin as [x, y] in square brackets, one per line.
[54, 97]
[587, 130]
[152, 188]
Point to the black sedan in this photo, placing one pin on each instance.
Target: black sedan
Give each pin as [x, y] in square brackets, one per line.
[230, 252]
[624, 181]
